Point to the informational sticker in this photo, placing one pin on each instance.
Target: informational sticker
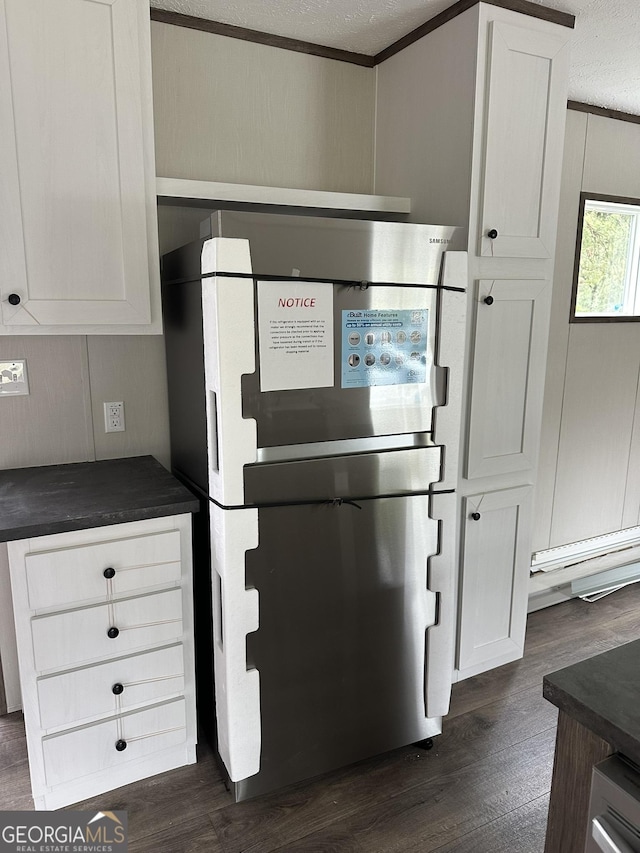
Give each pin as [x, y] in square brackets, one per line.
[384, 347]
[295, 324]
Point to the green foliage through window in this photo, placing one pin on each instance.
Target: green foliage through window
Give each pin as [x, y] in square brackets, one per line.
[608, 267]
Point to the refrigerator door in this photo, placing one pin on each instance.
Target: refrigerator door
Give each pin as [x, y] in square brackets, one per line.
[344, 613]
[393, 395]
[340, 650]
[374, 373]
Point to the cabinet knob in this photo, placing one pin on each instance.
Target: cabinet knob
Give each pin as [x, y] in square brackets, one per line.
[492, 233]
[112, 633]
[13, 299]
[488, 300]
[475, 516]
[121, 745]
[110, 573]
[117, 688]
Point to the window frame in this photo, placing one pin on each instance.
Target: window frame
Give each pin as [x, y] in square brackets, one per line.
[622, 318]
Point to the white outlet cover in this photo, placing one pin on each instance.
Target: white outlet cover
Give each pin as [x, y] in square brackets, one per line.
[114, 417]
[13, 378]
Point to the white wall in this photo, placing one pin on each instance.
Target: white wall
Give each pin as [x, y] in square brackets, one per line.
[235, 111]
[424, 122]
[69, 378]
[588, 483]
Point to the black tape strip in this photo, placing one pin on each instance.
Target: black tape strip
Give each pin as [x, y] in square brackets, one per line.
[358, 285]
[352, 501]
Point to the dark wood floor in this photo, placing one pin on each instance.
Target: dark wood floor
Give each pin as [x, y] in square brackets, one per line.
[483, 788]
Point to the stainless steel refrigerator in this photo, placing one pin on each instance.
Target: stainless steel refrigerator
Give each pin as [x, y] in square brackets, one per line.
[315, 374]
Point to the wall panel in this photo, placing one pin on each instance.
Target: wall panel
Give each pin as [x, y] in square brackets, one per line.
[595, 436]
[575, 140]
[51, 425]
[131, 369]
[588, 483]
[231, 110]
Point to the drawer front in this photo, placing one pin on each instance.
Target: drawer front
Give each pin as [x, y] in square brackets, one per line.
[92, 749]
[63, 640]
[67, 576]
[86, 693]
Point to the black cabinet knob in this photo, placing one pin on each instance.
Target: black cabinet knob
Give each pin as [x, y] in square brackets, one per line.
[492, 234]
[112, 633]
[488, 300]
[110, 573]
[121, 745]
[117, 688]
[13, 299]
[475, 516]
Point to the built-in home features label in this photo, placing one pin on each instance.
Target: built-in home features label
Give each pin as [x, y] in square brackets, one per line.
[295, 326]
[384, 347]
[13, 377]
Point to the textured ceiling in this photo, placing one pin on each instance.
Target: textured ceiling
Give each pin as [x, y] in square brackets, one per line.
[605, 67]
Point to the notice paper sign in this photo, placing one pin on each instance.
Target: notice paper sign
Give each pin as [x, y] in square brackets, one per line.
[295, 325]
[384, 347]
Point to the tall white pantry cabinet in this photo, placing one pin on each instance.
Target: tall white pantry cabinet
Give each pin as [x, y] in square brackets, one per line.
[470, 124]
[78, 226]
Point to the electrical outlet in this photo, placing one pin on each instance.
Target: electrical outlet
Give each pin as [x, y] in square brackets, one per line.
[114, 417]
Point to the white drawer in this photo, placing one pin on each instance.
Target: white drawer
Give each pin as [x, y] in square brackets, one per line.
[64, 577]
[109, 688]
[63, 640]
[81, 752]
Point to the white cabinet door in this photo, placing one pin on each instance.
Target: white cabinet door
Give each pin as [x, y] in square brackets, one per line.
[523, 142]
[77, 230]
[495, 573]
[508, 376]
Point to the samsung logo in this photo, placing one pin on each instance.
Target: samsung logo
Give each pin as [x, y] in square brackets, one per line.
[439, 240]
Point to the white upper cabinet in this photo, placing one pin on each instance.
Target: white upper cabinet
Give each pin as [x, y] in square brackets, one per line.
[78, 233]
[523, 137]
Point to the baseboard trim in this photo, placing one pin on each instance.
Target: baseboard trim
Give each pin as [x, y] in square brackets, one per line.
[575, 552]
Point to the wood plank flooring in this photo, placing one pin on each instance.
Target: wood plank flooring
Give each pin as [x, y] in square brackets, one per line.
[483, 788]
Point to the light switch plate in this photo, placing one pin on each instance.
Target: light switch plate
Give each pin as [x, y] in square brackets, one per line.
[13, 378]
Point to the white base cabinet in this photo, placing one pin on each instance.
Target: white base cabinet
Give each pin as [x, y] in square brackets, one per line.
[496, 531]
[104, 629]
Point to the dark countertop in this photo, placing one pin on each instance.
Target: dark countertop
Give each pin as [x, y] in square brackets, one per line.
[58, 498]
[603, 694]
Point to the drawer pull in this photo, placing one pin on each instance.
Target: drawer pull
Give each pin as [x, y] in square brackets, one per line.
[109, 573]
[112, 633]
[117, 689]
[121, 745]
[475, 516]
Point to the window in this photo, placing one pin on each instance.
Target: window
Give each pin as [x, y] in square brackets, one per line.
[606, 283]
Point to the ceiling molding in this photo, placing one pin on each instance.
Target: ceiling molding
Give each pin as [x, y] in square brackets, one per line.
[533, 10]
[524, 7]
[203, 24]
[578, 106]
